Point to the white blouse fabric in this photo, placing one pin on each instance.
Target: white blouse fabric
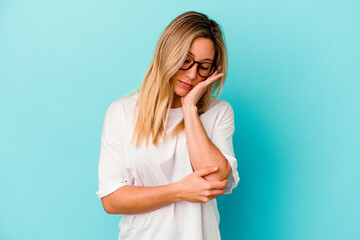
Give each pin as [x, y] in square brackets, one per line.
[122, 164]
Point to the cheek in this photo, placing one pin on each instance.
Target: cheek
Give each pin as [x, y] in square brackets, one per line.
[175, 78]
[198, 81]
[174, 81]
[177, 75]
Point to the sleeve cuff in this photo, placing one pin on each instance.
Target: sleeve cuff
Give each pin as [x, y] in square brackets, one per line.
[234, 175]
[108, 190]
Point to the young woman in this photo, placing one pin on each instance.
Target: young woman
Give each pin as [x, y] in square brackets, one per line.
[166, 150]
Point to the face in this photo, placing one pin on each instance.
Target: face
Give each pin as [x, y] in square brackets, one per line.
[201, 50]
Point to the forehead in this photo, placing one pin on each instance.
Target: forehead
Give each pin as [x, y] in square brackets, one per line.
[202, 49]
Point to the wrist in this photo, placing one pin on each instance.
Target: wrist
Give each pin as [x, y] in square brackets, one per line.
[176, 191]
[189, 108]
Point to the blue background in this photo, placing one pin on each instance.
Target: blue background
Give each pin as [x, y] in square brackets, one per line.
[293, 83]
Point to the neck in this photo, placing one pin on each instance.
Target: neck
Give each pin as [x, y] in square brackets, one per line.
[176, 103]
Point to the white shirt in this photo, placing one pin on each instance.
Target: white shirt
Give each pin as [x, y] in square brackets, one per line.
[122, 164]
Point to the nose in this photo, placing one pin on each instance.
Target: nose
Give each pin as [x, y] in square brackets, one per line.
[192, 72]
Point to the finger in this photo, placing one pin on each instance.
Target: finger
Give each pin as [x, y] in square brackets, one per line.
[206, 171]
[218, 185]
[213, 78]
[225, 181]
[216, 193]
[218, 70]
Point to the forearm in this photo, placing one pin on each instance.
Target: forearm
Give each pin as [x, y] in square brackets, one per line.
[202, 151]
[134, 199]
[192, 188]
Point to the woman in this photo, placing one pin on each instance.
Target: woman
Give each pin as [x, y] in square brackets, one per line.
[166, 151]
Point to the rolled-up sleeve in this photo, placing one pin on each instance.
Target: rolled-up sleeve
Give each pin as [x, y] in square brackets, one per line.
[222, 137]
[111, 171]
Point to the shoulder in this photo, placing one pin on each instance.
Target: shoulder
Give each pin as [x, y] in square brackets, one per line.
[120, 112]
[218, 112]
[218, 115]
[124, 104]
[218, 106]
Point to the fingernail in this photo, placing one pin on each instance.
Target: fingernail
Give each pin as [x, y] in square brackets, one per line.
[215, 168]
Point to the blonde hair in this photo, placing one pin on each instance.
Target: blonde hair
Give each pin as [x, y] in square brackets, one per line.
[156, 90]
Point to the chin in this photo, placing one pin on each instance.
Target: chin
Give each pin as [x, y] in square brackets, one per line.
[181, 92]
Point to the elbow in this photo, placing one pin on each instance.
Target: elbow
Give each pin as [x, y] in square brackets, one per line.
[108, 208]
[222, 174]
[224, 171]
[114, 203]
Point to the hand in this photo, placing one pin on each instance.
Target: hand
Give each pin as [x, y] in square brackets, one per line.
[194, 188]
[195, 94]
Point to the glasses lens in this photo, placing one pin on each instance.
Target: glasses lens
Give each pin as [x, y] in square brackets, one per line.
[187, 64]
[205, 69]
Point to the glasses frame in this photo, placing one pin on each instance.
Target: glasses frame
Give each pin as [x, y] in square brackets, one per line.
[198, 67]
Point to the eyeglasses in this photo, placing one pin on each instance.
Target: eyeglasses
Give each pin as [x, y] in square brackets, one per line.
[204, 69]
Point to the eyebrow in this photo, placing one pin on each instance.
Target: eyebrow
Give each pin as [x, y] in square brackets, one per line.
[203, 59]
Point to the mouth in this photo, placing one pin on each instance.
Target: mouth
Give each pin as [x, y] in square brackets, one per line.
[185, 84]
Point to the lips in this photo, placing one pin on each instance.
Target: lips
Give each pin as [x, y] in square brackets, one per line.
[185, 84]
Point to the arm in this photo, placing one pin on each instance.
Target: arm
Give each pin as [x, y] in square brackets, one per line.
[133, 200]
[202, 151]
[193, 188]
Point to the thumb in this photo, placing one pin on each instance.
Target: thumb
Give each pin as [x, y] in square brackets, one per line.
[206, 171]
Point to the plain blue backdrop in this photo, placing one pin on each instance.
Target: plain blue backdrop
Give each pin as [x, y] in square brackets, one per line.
[294, 84]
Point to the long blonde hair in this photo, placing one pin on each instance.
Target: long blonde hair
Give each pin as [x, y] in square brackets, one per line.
[156, 90]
